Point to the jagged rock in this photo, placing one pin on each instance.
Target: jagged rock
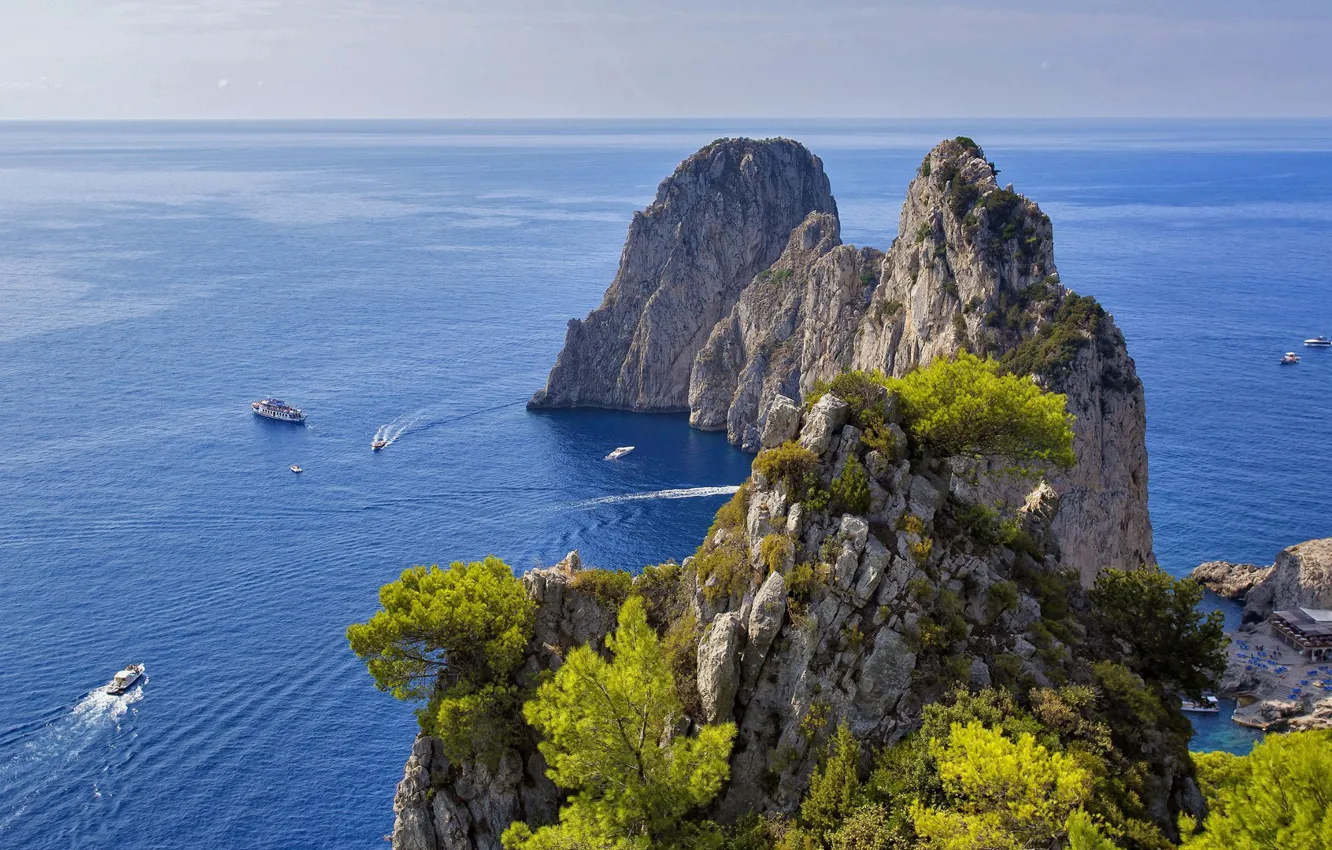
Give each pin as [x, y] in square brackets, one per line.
[1233, 581]
[873, 565]
[781, 422]
[972, 265]
[724, 216]
[884, 676]
[825, 418]
[854, 531]
[413, 828]
[765, 620]
[1300, 578]
[1318, 717]
[717, 674]
[924, 498]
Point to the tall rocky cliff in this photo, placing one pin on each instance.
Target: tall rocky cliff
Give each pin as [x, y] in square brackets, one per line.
[720, 219]
[796, 617]
[735, 287]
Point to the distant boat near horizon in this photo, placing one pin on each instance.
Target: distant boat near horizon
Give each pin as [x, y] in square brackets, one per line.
[1319, 342]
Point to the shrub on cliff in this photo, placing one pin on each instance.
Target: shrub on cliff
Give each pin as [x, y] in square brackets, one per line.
[1279, 795]
[452, 637]
[788, 464]
[967, 407]
[850, 489]
[608, 739]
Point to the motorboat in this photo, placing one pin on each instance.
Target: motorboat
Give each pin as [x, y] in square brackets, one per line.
[619, 452]
[278, 410]
[1208, 705]
[296, 468]
[1290, 359]
[125, 679]
[376, 445]
[1319, 342]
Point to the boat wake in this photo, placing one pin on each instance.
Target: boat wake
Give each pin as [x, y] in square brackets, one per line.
[678, 493]
[427, 418]
[42, 755]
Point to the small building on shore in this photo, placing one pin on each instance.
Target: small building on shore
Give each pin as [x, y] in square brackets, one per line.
[1308, 630]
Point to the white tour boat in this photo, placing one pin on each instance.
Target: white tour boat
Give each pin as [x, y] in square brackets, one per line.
[296, 468]
[376, 445]
[619, 453]
[1290, 359]
[125, 679]
[1319, 342]
[276, 408]
[1209, 705]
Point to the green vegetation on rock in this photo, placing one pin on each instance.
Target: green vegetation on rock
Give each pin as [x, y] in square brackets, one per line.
[1278, 796]
[452, 637]
[607, 730]
[967, 407]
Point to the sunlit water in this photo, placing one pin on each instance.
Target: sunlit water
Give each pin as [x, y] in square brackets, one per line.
[411, 282]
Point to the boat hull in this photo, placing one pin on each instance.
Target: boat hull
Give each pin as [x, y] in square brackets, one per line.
[117, 690]
[274, 417]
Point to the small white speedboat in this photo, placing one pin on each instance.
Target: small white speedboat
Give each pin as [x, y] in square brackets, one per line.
[296, 468]
[125, 679]
[376, 445]
[1290, 359]
[1319, 342]
[1209, 705]
[619, 452]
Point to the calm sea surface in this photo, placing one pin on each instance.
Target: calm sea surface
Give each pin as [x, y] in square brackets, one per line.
[415, 279]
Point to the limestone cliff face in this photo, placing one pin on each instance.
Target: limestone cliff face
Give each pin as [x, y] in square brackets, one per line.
[903, 603]
[720, 219]
[1300, 578]
[972, 266]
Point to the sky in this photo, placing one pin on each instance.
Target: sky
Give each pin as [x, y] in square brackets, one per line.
[111, 59]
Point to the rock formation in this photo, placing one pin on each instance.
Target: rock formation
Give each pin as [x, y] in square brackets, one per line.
[735, 288]
[798, 617]
[719, 220]
[1233, 581]
[1300, 578]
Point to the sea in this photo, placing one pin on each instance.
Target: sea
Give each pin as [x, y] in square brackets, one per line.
[412, 280]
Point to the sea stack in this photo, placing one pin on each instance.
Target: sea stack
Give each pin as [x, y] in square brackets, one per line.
[719, 220]
[734, 288]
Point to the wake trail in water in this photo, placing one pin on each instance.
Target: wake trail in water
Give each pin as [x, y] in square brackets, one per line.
[677, 493]
[428, 418]
[53, 747]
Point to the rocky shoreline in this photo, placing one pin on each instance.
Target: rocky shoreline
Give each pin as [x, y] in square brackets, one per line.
[1279, 689]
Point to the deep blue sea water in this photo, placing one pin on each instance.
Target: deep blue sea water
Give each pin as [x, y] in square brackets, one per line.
[155, 278]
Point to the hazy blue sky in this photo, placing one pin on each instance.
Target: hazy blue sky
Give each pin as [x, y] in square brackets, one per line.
[626, 58]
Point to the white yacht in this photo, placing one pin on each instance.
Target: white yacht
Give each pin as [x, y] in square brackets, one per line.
[1208, 705]
[1319, 342]
[276, 408]
[296, 467]
[125, 679]
[619, 453]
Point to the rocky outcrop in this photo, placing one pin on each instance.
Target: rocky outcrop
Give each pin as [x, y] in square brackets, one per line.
[837, 618]
[1233, 581]
[719, 220]
[1300, 578]
[971, 266]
